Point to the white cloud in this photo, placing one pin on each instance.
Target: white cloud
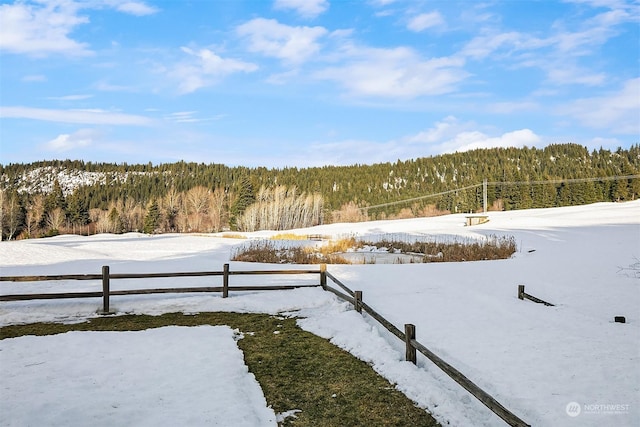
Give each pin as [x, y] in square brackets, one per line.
[95, 117]
[305, 8]
[182, 116]
[205, 68]
[282, 78]
[488, 43]
[70, 97]
[442, 130]
[349, 152]
[570, 74]
[567, 38]
[425, 20]
[617, 112]
[40, 28]
[395, 73]
[105, 86]
[594, 33]
[450, 135]
[67, 142]
[293, 45]
[136, 8]
[559, 52]
[509, 107]
[474, 140]
[382, 2]
[191, 117]
[34, 78]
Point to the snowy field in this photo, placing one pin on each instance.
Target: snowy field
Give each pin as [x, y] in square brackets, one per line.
[568, 365]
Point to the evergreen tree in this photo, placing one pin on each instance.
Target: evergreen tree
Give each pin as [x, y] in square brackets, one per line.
[115, 221]
[152, 219]
[245, 198]
[634, 188]
[620, 191]
[77, 210]
[55, 199]
[130, 187]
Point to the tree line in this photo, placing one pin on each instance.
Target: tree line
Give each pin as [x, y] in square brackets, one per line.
[198, 209]
[190, 197]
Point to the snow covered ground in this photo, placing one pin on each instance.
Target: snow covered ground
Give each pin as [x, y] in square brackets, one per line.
[568, 365]
[130, 378]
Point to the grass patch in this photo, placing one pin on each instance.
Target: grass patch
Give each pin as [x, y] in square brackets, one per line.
[451, 250]
[288, 236]
[269, 251]
[233, 236]
[454, 250]
[296, 369]
[340, 245]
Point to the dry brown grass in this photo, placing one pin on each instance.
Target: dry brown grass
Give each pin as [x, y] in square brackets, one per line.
[288, 236]
[233, 236]
[340, 245]
[267, 251]
[452, 250]
[456, 250]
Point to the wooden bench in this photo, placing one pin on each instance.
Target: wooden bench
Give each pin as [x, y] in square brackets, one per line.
[476, 219]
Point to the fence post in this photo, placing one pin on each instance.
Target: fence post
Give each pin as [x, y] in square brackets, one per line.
[225, 281]
[323, 276]
[521, 292]
[410, 334]
[105, 289]
[357, 301]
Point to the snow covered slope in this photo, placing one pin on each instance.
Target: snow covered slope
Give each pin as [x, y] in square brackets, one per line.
[536, 360]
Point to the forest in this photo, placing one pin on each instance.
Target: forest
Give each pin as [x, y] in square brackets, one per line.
[70, 196]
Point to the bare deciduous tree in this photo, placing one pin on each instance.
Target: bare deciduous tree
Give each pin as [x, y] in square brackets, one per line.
[349, 212]
[11, 215]
[170, 208]
[35, 212]
[281, 208]
[132, 215]
[197, 205]
[217, 209]
[101, 220]
[55, 219]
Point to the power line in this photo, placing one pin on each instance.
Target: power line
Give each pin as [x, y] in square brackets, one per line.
[421, 197]
[568, 180]
[495, 183]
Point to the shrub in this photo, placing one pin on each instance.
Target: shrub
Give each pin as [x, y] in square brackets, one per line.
[268, 251]
[452, 250]
[288, 236]
[455, 250]
[340, 245]
[233, 236]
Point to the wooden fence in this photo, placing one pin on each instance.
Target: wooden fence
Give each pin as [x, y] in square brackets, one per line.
[413, 346]
[353, 297]
[523, 295]
[106, 278]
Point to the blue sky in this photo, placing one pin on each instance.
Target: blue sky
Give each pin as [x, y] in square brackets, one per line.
[313, 82]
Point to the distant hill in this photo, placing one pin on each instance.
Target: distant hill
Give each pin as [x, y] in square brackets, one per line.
[518, 178]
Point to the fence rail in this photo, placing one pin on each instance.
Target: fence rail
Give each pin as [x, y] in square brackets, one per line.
[412, 345]
[523, 295]
[345, 293]
[107, 276]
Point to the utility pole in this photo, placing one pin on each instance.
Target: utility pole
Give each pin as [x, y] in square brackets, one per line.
[484, 195]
